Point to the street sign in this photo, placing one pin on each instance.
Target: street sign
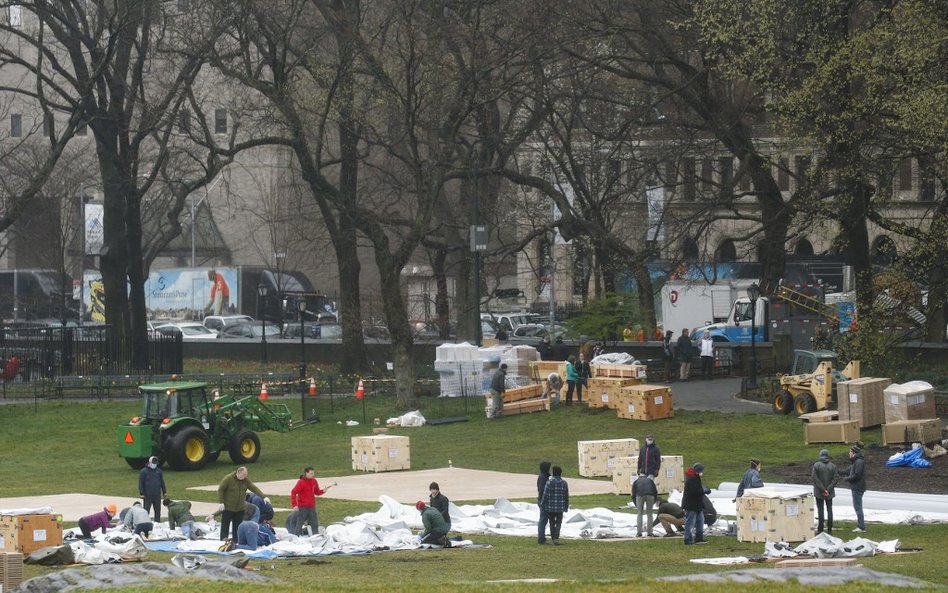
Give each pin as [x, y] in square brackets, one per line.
[478, 238]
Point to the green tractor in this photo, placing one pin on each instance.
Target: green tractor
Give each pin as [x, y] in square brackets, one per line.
[187, 427]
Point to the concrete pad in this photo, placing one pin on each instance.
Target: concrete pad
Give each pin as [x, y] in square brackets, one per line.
[75, 505]
[458, 484]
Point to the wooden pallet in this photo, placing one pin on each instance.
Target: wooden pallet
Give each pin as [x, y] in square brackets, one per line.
[527, 406]
[516, 394]
[815, 562]
[618, 371]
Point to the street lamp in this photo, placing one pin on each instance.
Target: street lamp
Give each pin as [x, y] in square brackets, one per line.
[263, 290]
[753, 293]
[301, 307]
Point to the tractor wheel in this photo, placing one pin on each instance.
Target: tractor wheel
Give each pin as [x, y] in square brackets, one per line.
[136, 462]
[783, 402]
[244, 447]
[804, 403]
[187, 449]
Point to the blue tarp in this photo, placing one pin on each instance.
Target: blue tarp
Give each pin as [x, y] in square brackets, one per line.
[911, 458]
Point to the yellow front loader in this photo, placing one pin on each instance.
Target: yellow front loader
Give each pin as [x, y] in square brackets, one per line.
[804, 392]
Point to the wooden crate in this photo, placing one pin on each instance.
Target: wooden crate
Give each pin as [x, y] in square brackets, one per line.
[620, 371]
[671, 476]
[598, 458]
[761, 519]
[516, 394]
[541, 369]
[836, 431]
[603, 392]
[11, 570]
[527, 406]
[381, 453]
[862, 400]
[645, 402]
[911, 431]
[914, 400]
[27, 533]
[821, 416]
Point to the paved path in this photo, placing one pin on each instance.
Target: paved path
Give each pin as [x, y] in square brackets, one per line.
[716, 395]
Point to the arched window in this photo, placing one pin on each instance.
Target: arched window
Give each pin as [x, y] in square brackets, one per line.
[726, 251]
[883, 251]
[689, 250]
[803, 247]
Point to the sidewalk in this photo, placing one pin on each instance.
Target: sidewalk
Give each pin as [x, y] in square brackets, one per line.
[716, 395]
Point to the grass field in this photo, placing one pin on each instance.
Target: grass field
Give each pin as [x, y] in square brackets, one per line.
[70, 446]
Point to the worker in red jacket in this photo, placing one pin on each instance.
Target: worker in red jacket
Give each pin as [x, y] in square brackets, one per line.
[303, 498]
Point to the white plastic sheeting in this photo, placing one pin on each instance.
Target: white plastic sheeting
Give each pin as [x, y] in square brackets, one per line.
[825, 545]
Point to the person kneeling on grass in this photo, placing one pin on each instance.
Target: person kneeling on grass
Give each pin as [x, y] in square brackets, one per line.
[179, 515]
[137, 520]
[436, 528]
[101, 520]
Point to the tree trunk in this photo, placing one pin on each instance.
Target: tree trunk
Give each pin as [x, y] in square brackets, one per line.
[399, 330]
[138, 333]
[463, 265]
[114, 256]
[353, 355]
[775, 219]
[853, 226]
[441, 295]
[646, 297]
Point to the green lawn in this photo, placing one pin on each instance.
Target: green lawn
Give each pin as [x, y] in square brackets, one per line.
[68, 447]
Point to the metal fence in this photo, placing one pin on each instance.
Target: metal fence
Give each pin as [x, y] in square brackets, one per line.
[48, 353]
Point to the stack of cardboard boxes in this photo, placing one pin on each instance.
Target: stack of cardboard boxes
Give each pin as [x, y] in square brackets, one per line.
[381, 453]
[862, 400]
[821, 427]
[910, 414]
[598, 458]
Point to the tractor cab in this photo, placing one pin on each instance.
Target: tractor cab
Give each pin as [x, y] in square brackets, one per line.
[811, 385]
[806, 362]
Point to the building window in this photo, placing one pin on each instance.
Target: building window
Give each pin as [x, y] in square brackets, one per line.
[688, 178]
[926, 188]
[16, 125]
[726, 251]
[783, 175]
[801, 165]
[905, 174]
[726, 168]
[184, 121]
[744, 183]
[707, 178]
[671, 175]
[220, 121]
[804, 248]
[184, 5]
[15, 15]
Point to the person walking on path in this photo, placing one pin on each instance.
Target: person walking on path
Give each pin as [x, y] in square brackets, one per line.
[555, 501]
[668, 356]
[435, 527]
[824, 489]
[644, 494]
[857, 485]
[498, 385]
[650, 458]
[231, 495]
[671, 516]
[692, 502]
[101, 520]
[439, 501]
[151, 487]
[179, 515]
[303, 498]
[707, 356]
[542, 479]
[685, 350]
[751, 478]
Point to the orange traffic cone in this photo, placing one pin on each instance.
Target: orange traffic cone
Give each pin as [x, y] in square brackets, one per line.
[264, 396]
[360, 391]
[312, 386]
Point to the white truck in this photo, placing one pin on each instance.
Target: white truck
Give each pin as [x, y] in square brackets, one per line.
[693, 305]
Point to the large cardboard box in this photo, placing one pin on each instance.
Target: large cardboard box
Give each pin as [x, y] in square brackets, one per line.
[836, 431]
[381, 453]
[862, 400]
[778, 519]
[914, 400]
[911, 431]
[645, 402]
[603, 392]
[671, 476]
[27, 533]
[598, 458]
[11, 571]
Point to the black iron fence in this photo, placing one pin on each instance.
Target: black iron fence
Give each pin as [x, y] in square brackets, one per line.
[29, 354]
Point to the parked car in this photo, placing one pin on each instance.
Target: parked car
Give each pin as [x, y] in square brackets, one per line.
[190, 331]
[532, 333]
[250, 330]
[219, 322]
[313, 331]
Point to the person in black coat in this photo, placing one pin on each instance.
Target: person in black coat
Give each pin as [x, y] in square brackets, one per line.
[439, 501]
[857, 485]
[685, 351]
[559, 350]
[542, 479]
[692, 502]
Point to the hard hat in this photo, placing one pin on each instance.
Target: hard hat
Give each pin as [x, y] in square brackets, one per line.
[111, 508]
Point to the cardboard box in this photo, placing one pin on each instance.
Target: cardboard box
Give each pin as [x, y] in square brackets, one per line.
[645, 402]
[914, 400]
[671, 476]
[604, 392]
[761, 519]
[598, 458]
[381, 453]
[911, 431]
[28, 533]
[11, 570]
[836, 431]
[862, 400]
